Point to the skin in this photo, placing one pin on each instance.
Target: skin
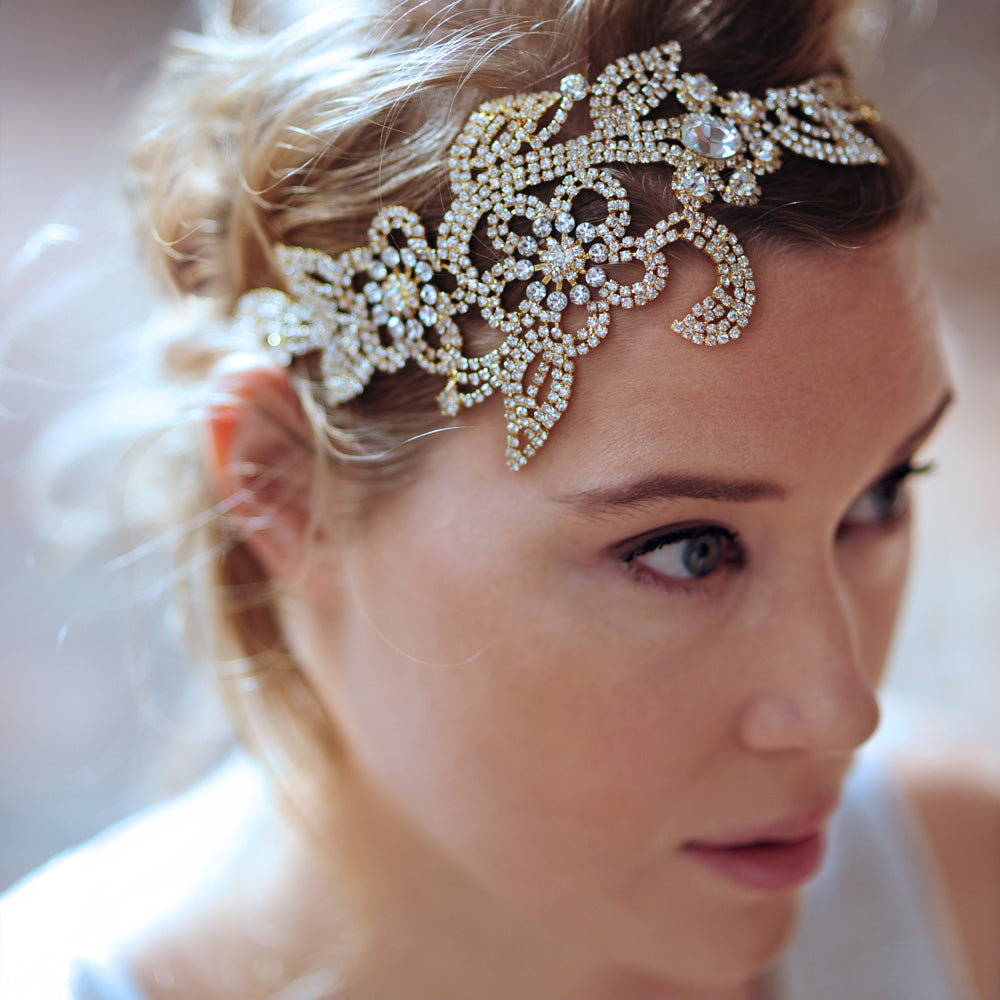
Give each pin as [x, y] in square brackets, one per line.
[536, 725]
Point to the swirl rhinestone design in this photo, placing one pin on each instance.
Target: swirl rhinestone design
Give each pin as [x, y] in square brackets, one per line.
[551, 292]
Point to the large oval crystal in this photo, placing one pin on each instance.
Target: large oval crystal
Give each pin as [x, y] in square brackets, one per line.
[709, 136]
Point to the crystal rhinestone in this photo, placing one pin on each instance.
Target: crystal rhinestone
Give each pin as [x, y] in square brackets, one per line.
[535, 291]
[523, 269]
[395, 298]
[378, 270]
[586, 231]
[742, 183]
[710, 136]
[763, 150]
[557, 301]
[598, 253]
[562, 260]
[699, 87]
[574, 87]
[423, 271]
[565, 222]
[429, 294]
[373, 292]
[596, 277]
[428, 316]
[449, 401]
[390, 255]
[742, 105]
[694, 182]
[541, 227]
[527, 247]
[579, 295]
[408, 257]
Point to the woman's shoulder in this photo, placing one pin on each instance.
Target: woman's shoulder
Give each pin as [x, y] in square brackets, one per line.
[955, 797]
[62, 927]
[882, 918]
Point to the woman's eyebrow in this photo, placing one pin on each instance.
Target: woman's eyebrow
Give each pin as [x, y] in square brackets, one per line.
[670, 486]
[664, 487]
[920, 434]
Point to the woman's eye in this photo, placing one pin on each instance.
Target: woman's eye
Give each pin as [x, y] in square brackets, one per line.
[886, 501]
[685, 554]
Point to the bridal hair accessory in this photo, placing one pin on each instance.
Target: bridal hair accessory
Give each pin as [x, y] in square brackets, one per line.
[518, 191]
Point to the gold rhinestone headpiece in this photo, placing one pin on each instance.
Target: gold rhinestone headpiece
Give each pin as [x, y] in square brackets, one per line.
[400, 298]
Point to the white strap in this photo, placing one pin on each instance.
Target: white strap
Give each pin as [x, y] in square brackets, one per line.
[107, 981]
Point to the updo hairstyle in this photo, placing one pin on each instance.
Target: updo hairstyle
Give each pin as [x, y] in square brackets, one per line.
[280, 124]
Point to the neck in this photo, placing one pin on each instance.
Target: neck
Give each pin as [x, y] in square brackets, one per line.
[397, 920]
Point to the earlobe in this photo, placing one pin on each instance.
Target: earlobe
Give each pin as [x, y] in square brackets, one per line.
[260, 459]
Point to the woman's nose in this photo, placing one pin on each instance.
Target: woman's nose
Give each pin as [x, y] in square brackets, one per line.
[811, 691]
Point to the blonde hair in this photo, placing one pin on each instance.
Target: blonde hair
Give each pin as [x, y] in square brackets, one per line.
[292, 125]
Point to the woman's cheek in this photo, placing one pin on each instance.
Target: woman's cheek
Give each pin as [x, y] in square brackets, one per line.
[875, 571]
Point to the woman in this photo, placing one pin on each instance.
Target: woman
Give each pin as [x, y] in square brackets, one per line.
[561, 528]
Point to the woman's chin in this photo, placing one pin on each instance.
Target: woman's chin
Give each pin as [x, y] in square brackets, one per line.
[735, 952]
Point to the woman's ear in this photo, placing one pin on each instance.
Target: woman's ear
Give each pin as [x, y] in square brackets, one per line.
[260, 458]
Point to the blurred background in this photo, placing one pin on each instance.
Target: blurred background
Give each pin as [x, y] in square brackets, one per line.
[99, 712]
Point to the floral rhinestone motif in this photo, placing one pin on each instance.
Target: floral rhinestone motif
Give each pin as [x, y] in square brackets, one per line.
[558, 224]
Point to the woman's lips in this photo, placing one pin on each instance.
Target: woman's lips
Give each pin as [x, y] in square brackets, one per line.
[773, 857]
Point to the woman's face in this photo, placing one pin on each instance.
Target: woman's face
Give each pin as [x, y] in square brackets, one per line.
[593, 684]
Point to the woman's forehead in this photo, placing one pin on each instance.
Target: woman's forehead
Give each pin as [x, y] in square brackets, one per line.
[842, 354]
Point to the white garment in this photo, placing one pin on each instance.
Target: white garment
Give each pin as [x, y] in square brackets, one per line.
[873, 927]
[61, 927]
